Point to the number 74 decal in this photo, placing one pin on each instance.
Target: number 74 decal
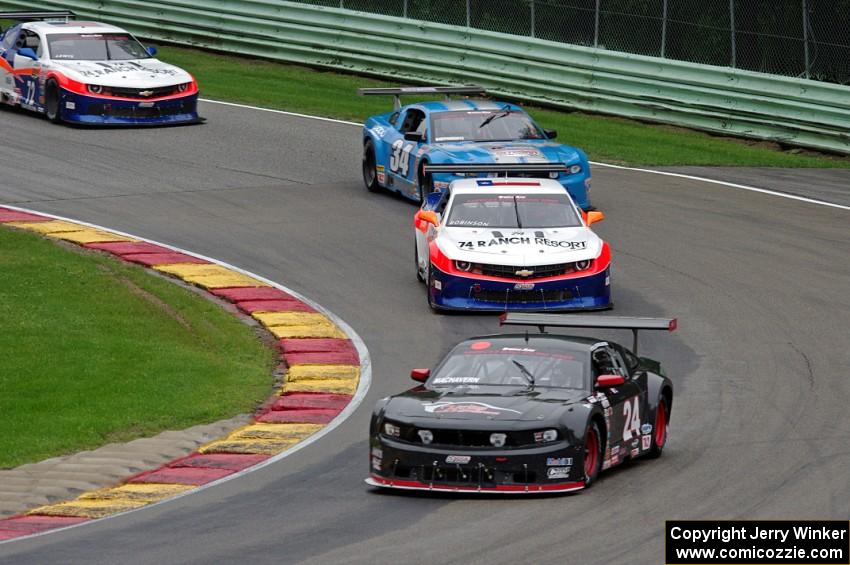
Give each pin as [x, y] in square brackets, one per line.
[631, 418]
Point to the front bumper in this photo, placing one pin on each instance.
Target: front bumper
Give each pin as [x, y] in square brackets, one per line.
[576, 185]
[453, 292]
[552, 468]
[92, 110]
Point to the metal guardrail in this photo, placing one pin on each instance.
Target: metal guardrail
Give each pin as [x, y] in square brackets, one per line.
[716, 99]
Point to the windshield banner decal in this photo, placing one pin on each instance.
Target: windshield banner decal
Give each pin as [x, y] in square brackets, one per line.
[497, 241]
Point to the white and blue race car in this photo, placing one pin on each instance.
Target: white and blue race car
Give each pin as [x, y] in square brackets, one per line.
[509, 244]
[90, 73]
[399, 144]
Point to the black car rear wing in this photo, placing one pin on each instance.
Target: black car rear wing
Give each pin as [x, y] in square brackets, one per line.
[396, 93]
[542, 321]
[497, 168]
[63, 15]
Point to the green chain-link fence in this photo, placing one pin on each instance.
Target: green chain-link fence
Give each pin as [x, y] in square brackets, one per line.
[798, 38]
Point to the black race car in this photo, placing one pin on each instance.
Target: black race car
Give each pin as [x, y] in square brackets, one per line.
[522, 413]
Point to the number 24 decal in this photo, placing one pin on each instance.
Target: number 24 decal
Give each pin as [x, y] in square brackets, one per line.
[400, 158]
[631, 416]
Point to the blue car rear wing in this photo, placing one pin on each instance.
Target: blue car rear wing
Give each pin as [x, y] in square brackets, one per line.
[542, 321]
[497, 168]
[54, 15]
[396, 93]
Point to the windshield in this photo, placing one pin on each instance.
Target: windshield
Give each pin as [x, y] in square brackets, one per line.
[483, 125]
[95, 47]
[486, 363]
[513, 211]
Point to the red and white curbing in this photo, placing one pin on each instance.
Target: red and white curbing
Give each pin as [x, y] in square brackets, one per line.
[328, 372]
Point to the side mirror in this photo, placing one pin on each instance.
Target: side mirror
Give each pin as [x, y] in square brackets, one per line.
[432, 199]
[414, 136]
[151, 50]
[551, 133]
[423, 217]
[420, 375]
[594, 216]
[28, 53]
[607, 381]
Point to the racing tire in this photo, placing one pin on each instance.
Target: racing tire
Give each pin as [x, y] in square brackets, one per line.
[426, 183]
[429, 280]
[592, 454]
[370, 168]
[51, 102]
[659, 430]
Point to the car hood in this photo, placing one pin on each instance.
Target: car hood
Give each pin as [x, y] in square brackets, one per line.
[140, 73]
[485, 404]
[519, 247]
[523, 151]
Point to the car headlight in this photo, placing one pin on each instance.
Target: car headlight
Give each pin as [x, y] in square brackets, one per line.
[575, 169]
[583, 265]
[498, 439]
[183, 87]
[554, 174]
[392, 430]
[468, 267]
[95, 89]
[426, 436]
[545, 436]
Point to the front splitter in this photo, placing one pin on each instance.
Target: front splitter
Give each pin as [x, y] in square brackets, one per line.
[499, 489]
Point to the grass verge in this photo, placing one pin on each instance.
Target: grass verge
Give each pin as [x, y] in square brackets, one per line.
[323, 93]
[94, 350]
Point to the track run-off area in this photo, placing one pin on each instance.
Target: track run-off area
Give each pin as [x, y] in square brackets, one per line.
[759, 283]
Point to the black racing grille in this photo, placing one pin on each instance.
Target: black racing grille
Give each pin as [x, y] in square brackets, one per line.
[185, 107]
[480, 475]
[144, 93]
[467, 438]
[531, 174]
[537, 271]
[131, 112]
[522, 296]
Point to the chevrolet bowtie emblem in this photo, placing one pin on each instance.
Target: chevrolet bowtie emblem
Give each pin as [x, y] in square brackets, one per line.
[146, 93]
[524, 273]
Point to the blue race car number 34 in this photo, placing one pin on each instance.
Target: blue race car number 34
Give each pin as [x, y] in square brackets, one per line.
[400, 158]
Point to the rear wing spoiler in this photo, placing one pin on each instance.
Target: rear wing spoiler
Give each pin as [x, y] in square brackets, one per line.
[63, 15]
[396, 93]
[497, 168]
[542, 321]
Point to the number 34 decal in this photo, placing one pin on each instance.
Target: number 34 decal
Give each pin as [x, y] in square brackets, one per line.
[400, 158]
[631, 417]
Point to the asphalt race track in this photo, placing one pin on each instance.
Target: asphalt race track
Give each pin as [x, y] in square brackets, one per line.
[759, 284]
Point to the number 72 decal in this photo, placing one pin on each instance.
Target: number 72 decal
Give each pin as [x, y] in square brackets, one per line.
[631, 417]
[400, 158]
